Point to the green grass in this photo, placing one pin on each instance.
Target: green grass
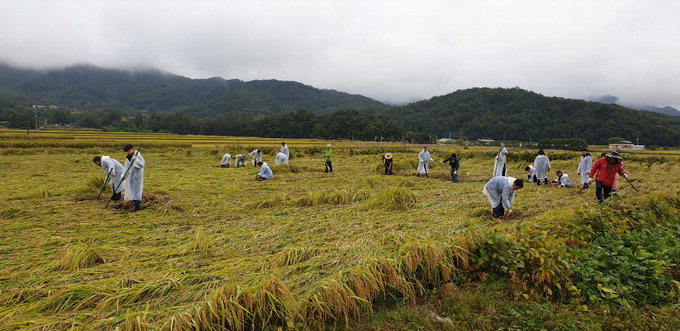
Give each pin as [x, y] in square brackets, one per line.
[306, 249]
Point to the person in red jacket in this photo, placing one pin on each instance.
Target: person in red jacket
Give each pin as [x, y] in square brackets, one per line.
[604, 171]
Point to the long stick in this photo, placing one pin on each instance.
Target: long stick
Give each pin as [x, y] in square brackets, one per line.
[631, 184]
[122, 178]
[104, 185]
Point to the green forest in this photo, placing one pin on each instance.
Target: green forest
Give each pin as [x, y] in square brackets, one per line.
[153, 101]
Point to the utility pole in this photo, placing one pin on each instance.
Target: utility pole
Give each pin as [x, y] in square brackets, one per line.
[28, 120]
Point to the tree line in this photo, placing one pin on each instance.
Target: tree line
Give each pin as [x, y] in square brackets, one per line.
[349, 124]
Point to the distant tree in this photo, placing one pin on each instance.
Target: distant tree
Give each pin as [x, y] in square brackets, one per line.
[614, 140]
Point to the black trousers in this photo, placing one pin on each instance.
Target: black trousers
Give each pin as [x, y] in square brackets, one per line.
[538, 182]
[388, 169]
[602, 192]
[499, 211]
[329, 166]
[454, 175]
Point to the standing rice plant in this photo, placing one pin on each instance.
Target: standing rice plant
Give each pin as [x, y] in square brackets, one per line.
[74, 257]
[270, 302]
[332, 300]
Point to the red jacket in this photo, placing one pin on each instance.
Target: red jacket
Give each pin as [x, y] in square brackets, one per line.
[606, 173]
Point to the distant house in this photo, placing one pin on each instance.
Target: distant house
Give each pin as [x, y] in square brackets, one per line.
[445, 140]
[625, 144]
[485, 140]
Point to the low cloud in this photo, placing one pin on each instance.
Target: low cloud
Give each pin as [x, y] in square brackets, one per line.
[393, 51]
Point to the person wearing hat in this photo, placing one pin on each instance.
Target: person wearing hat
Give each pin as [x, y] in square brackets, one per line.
[454, 163]
[584, 166]
[134, 180]
[604, 171]
[387, 162]
[328, 156]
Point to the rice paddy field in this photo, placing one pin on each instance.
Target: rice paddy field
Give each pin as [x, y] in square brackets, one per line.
[212, 249]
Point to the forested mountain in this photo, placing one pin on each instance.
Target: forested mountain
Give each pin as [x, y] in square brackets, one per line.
[90, 87]
[155, 101]
[517, 114]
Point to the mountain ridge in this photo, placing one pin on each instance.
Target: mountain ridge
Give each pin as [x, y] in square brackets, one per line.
[168, 100]
[88, 86]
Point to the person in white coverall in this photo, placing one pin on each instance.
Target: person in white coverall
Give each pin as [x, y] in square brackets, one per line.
[241, 160]
[424, 160]
[114, 172]
[500, 191]
[500, 164]
[563, 179]
[280, 158]
[134, 180]
[257, 156]
[542, 165]
[226, 161]
[265, 172]
[584, 166]
[532, 171]
[284, 149]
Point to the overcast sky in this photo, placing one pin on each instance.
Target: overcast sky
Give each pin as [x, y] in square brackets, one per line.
[393, 51]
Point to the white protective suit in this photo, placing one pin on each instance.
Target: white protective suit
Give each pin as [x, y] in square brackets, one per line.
[281, 158]
[499, 164]
[256, 155]
[134, 182]
[265, 171]
[584, 167]
[226, 160]
[532, 172]
[499, 190]
[241, 160]
[565, 181]
[542, 165]
[117, 170]
[284, 150]
[424, 159]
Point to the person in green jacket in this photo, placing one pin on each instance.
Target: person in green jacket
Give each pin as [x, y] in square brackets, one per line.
[328, 155]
